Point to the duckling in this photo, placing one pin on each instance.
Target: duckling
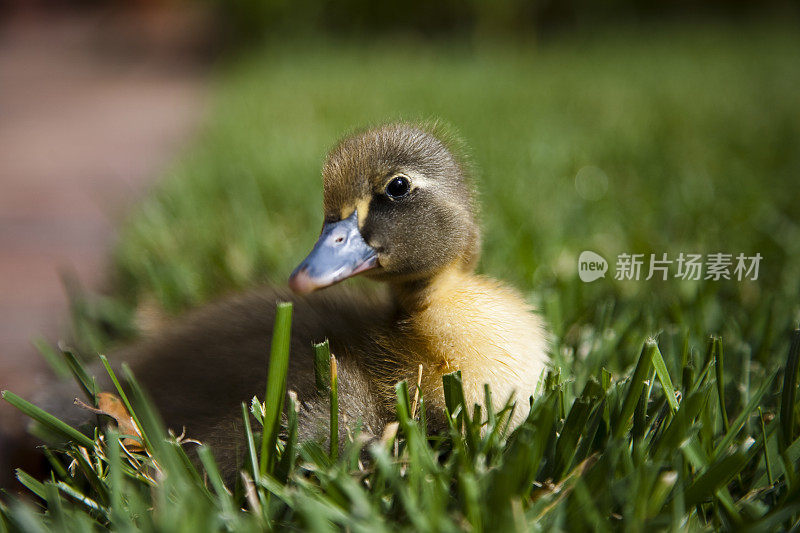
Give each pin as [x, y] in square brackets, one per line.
[399, 208]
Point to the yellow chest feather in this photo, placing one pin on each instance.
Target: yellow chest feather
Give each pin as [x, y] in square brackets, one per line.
[485, 330]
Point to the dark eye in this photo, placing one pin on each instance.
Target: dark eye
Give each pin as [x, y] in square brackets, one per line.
[398, 187]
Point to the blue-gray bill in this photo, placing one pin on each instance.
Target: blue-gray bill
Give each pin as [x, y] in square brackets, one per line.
[340, 253]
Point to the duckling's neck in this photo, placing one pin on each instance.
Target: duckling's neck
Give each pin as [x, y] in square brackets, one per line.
[415, 296]
[457, 320]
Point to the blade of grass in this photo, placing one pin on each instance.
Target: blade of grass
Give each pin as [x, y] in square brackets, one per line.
[423, 417]
[251, 445]
[315, 455]
[605, 379]
[468, 489]
[740, 420]
[168, 454]
[322, 366]
[21, 517]
[658, 495]
[573, 427]
[32, 484]
[55, 360]
[276, 385]
[82, 498]
[767, 463]
[491, 420]
[119, 517]
[173, 458]
[48, 420]
[334, 423]
[403, 401]
[55, 508]
[703, 374]
[691, 407]
[86, 382]
[717, 475]
[286, 465]
[635, 387]
[666, 381]
[590, 432]
[257, 410]
[718, 367]
[58, 468]
[454, 398]
[789, 392]
[210, 465]
[98, 487]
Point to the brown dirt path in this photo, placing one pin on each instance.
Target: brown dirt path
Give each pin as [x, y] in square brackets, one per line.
[84, 127]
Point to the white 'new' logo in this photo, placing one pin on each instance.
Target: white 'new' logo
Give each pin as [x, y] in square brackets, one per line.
[591, 266]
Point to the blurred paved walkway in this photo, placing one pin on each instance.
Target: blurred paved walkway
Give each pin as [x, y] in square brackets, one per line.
[82, 131]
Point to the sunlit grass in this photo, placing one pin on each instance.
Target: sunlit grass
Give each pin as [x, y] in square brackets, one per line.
[623, 452]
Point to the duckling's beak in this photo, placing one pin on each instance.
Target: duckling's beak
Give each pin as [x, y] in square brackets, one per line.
[340, 253]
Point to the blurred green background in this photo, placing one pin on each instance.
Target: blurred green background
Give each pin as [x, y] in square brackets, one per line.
[648, 139]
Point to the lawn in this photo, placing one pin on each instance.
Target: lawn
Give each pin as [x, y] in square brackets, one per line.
[671, 140]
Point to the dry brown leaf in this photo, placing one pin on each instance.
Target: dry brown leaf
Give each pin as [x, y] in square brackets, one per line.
[110, 405]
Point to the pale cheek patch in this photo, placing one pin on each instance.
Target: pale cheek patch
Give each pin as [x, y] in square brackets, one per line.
[347, 211]
[362, 206]
[363, 209]
[417, 180]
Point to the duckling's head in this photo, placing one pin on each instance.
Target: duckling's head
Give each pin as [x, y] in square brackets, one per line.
[398, 206]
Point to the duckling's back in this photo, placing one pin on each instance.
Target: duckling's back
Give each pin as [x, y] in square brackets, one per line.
[198, 370]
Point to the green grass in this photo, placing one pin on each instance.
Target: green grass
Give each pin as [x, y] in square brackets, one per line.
[695, 132]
